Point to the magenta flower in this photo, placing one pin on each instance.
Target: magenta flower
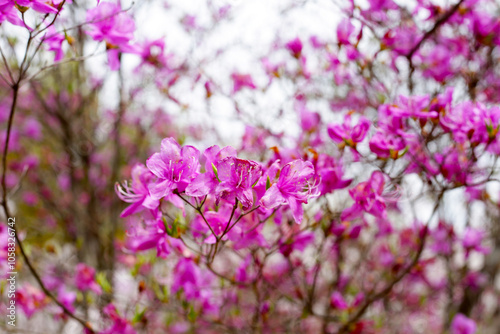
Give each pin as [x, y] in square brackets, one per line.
[436, 63]
[443, 236]
[241, 81]
[67, 298]
[295, 47]
[154, 235]
[194, 283]
[338, 302]
[109, 23]
[414, 106]
[30, 299]
[8, 12]
[85, 279]
[137, 193]
[37, 5]
[351, 135]
[345, 30]
[175, 167]
[462, 325]
[204, 184]
[54, 41]
[295, 185]
[386, 145]
[297, 241]
[237, 177]
[368, 198]
[472, 240]
[152, 53]
[119, 325]
[331, 174]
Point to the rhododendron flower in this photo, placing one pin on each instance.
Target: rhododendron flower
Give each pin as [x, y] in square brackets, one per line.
[386, 145]
[85, 279]
[8, 12]
[368, 198]
[110, 24]
[152, 53]
[67, 298]
[338, 302]
[237, 177]
[295, 47]
[241, 81]
[443, 236]
[454, 166]
[137, 193]
[297, 241]
[295, 186]
[174, 166]
[347, 133]
[473, 239]
[345, 30]
[194, 283]
[54, 41]
[414, 106]
[30, 299]
[436, 63]
[462, 325]
[331, 174]
[206, 183]
[119, 325]
[153, 235]
[37, 5]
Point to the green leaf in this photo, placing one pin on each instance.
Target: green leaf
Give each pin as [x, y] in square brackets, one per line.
[215, 172]
[103, 282]
[268, 183]
[138, 316]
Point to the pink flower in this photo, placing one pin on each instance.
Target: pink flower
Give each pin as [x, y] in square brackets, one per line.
[206, 183]
[67, 298]
[345, 30]
[194, 283]
[109, 23]
[368, 198]
[331, 174]
[295, 186]
[297, 241]
[54, 41]
[152, 53]
[85, 279]
[436, 63]
[175, 167]
[347, 133]
[473, 239]
[119, 325]
[241, 81]
[386, 145]
[338, 302]
[237, 177]
[8, 12]
[30, 299]
[153, 235]
[462, 325]
[295, 47]
[37, 5]
[137, 193]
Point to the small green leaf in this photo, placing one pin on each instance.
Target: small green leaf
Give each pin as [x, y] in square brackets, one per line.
[103, 282]
[215, 172]
[268, 183]
[138, 316]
